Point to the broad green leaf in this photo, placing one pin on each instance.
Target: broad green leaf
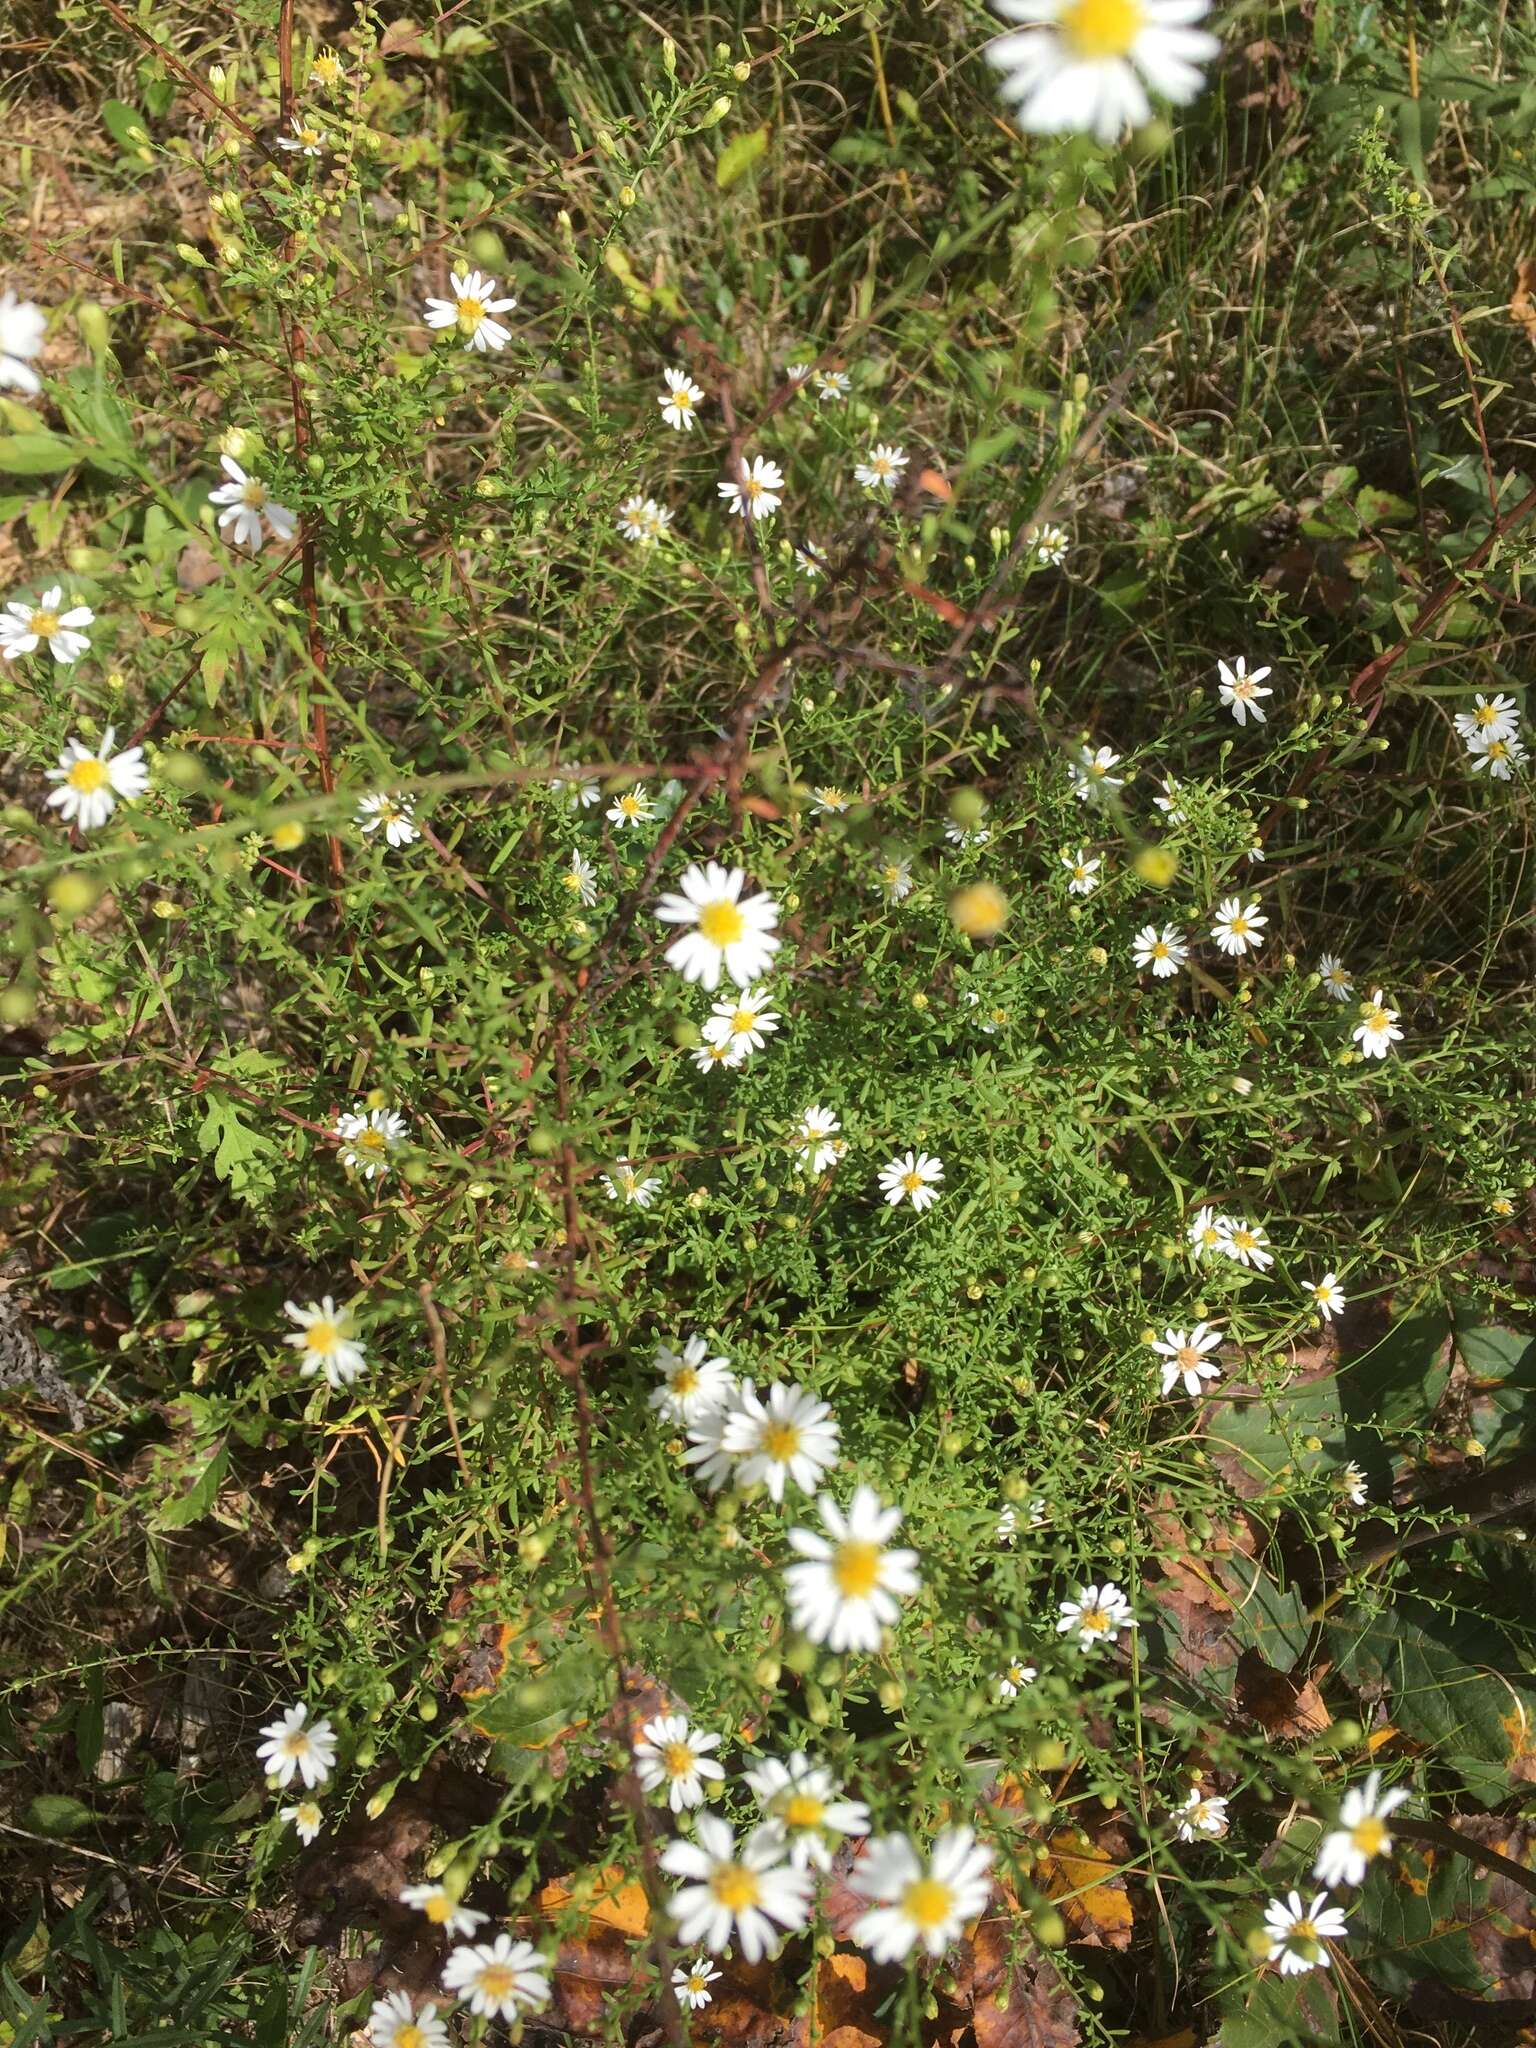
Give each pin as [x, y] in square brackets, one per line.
[1400, 1380]
[1270, 2011]
[56, 1813]
[127, 128]
[739, 155]
[37, 454]
[200, 1494]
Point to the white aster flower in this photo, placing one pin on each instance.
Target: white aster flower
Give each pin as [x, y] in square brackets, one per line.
[691, 1982]
[327, 70]
[719, 1055]
[634, 807]
[472, 310]
[1013, 1678]
[295, 1746]
[89, 785]
[966, 835]
[993, 1020]
[810, 558]
[911, 1177]
[930, 1902]
[1091, 777]
[1007, 1524]
[441, 1909]
[1170, 802]
[691, 1380]
[249, 514]
[894, 880]
[850, 1584]
[680, 401]
[1297, 1932]
[324, 1344]
[25, 627]
[1186, 1356]
[580, 878]
[760, 492]
[673, 1757]
[1377, 1031]
[1095, 1615]
[746, 1891]
[1048, 544]
[1501, 757]
[624, 1184]
[305, 1819]
[832, 386]
[712, 1463]
[1084, 66]
[1239, 689]
[791, 1435]
[395, 816]
[816, 1140]
[643, 521]
[1084, 871]
[1498, 719]
[803, 1806]
[368, 1137]
[1165, 951]
[306, 139]
[1202, 1817]
[394, 2022]
[1328, 1296]
[1205, 1231]
[1244, 1242]
[1361, 1836]
[730, 932]
[1239, 926]
[1349, 1483]
[22, 327]
[881, 467]
[1335, 976]
[498, 1979]
[581, 794]
[827, 798]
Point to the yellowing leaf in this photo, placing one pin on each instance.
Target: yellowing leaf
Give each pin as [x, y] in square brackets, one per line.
[739, 155]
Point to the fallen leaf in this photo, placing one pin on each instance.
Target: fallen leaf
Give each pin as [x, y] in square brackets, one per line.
[1282, 1705]
[1083, 1880]
[1522, 303]
[402, 39]
[1016, 1993]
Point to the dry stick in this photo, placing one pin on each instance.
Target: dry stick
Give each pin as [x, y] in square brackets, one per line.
[440, 1360]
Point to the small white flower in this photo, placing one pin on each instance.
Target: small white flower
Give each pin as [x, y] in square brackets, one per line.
[1377, 1031]
[673, 1757]
[1205, 1232]
[394, 2022]
[1048, 544]
[1239, 689]
[680, 401]
[1202, 1817]
[992, 1020]
[1186, 1356]
[930, 1902]
[1091, 777]
[580, 878]
[790, 1436]
[323, 1343]
[498, 1979]
[1239, 926]
[22, 327]
[1297, 1932]
[472, 311]
[746, 1891]
[1335, 976]
[719, 1055]
[760, 492]
[295, 1746]
[712, 1464]
[850, 1584]
[691, 1982]
[1350, 1485]
[1170, 802]
[1501, 757]
[634, 807]
[810, 559]
[894, 880]
[803, 1805]
[832, 386]
[881, 468]
[306, 139]
[327, 71]
[1348, 1850]
[1083, 66]
[1165, 951]
[441, 1909]
[90, 784]
[394, 815]
[368, 1137]
[1095, 1615]
[1498, 719]
[1013, 1678]
[1328, 1296]
[731, 932]
[249, 514]
[911, 1177]
[1007, 1524]
[691, 1380]
[643, 521]
[816, 1140]
[305, 1819]
[1244, 1242]
[966, 835]
[24, 627]
[1084, 871]
[623, 1184]
[827, 799]
[580, 795]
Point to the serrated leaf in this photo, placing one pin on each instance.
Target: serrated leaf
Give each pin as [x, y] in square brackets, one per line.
[739, 155]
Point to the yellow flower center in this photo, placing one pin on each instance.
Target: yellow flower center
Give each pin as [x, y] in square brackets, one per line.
[572, 881]
[321, 1337]
[1098, 29]
[1244, 1240]
[307, 1814]
[1377, 1020]
[832, 798]
[1238, 926]
[856, 1569]
[628, 1181]
[911, 1182]
[721, 922]
[802, 1810]
[44, 624]
[88, 775]
[410, 2036]
[928, 1903]
[678, 1760]
[1370, 1836]
[253, 494]
[682, 399]
[1188, 1358]
[735, 1887]
[296, 1743]
[754, 487]
[1496, 750]
[1093, 1621]
[309, 137]
[1486, 715]
[781, 1441]
[471, 313]
[696, 1982]
[1303, 1931]
[371, 1139]
[497, 1982]
[326, 69]
[684, 1381]
[998, 1016]
[743, 1021]
[438, 1909]
[1159, 949]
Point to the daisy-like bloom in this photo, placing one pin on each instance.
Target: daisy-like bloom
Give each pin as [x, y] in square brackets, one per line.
[730, 932]
[832, 386]
[851, 1583]
[1007, 1524]
[368, 1137]
[716, 1055]
[809, 559]
[1205, 1232]
[634, 807]
[1239, 926]
[1335, 976]
[24, 627]
[1169, 803]
[1377, 1031]
[295, 1746]
[1239, 689]
[1084, 66]
[672, 1757]
[1202, 1817]
[1328, 1296]
[1186, 1356]
[1501, 757]
[828, 798]
[22, 327]
[643, 521]
[993, 1020]
[581, 880]
[911, 1177]
[1048, 544]
[1165, 951]
[1244, 1242]
[1095, 1616]
[894, 880]
[395, 816]
[1347, 1851]
[1084, 871]
[680, 401]
[803, 1805]
[881, 468]
[471, 310]
[498, 1979]
[306, 139]
[791, 1435]
[711, 1462]
[691, 1380]
[326, 70]
[580, 795]
[1350, 1485]
[931, 1902]
[816, 1140]
[323, 1343]
[305, 1819]
[760, 492]
[248, 512]
[624, 1184]
[745, 1890]
[966, 835]
[691, 1982]
[442, 1910]
[1013, 1678]
[1297, 1932]
[1091, 778]
[1498, 720]
[395, 2023]
[90, 784]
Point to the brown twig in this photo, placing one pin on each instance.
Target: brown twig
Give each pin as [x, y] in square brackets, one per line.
[440, 1360]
